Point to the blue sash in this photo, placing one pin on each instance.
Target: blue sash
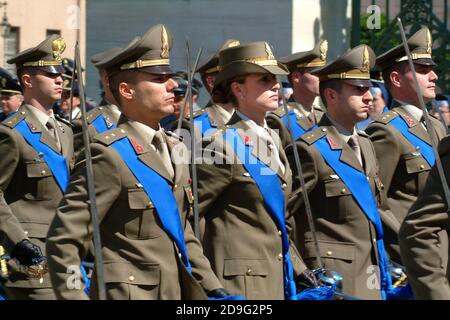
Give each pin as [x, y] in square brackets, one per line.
[357, 183]
[159, 192]
[56, 162]
[269, 186]
[425, 148]
[100, 124]
[297, 130]
[203, 124]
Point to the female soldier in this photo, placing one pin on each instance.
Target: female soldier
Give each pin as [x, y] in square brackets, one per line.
[244, 181]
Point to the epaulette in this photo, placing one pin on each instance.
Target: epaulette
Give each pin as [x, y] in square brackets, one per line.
[279, 112]
[94, 113]
[362, 133]
[313, 136]
[197, 113]
[386, 117]
[61, 119]
[12, 121]
[110, 136]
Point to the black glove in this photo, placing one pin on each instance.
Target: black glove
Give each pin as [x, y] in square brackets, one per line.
[307, 279]
[27, 253]
[218, 293]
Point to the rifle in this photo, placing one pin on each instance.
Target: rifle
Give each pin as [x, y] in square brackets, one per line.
[192, 133]
[430, 130]
[90, 181]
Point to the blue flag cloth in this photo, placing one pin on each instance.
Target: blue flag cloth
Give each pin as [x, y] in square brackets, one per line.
[159, 191]
[100, 124]
[270, 188]
[203, 124]
[56, 162]
[360, 188]
[425, 148]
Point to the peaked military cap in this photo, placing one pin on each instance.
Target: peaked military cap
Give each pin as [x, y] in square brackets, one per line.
[104, 55]
[317, 57]
[420, 45]
[211, 64]
[9, 85]
[249, 58]
[46, 56]
[353, 66]
[149, 53]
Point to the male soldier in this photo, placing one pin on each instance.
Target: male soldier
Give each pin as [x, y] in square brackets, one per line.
[401, 141]
[143, 201]
[11, 96]
[37, 153]
[303, 112]
[341, 176]
[214, 115]
[425, 258]
[68, 77]
[107, 114]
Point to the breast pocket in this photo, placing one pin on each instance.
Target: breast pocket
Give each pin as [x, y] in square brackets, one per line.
[415, 162]
[142, 222]
[39, 182]
[338, 197]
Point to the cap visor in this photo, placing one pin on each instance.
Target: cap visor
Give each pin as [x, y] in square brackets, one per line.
[163, 69]
[53, 69]
[425, 62]
[359, 83]
[279, 70]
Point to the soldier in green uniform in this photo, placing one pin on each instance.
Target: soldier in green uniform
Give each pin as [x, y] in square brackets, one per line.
[342, 181]
[303, 112]
[11, 96]
[401, 141]
[424, 255]
[247, 229]
[107, 114]
[144, 198]
[36, 150]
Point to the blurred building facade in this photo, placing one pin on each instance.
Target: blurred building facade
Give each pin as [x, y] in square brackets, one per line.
[31, 21]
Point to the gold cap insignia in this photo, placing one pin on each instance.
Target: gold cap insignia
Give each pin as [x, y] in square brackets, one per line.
[165, 43]
[429, 41]
[66, 83]
[366, 62]
[270, 55]
[58, 47]
[234, 44]
[323, 50]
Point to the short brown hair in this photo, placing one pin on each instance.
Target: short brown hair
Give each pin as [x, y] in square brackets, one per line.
[334, 84]
[127, 76]
[223, 92]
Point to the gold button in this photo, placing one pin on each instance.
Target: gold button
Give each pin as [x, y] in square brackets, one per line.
[343, 190]
[113, 134]
[43, 172]
[284, 185]
[122, 131]
[150, 203]
[279, 233]
[280, 257]
[180, 255]
[22, 112]
[175, 187]
[106, 137]
[324, 130]
[374, 240]
[329, 253]
[422, 166]
[101, 108]
[26, 232]
[249, 271]
[131, 278]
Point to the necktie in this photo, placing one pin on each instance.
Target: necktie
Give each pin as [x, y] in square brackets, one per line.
[163, 152]
[354, 144]
[51, 126]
